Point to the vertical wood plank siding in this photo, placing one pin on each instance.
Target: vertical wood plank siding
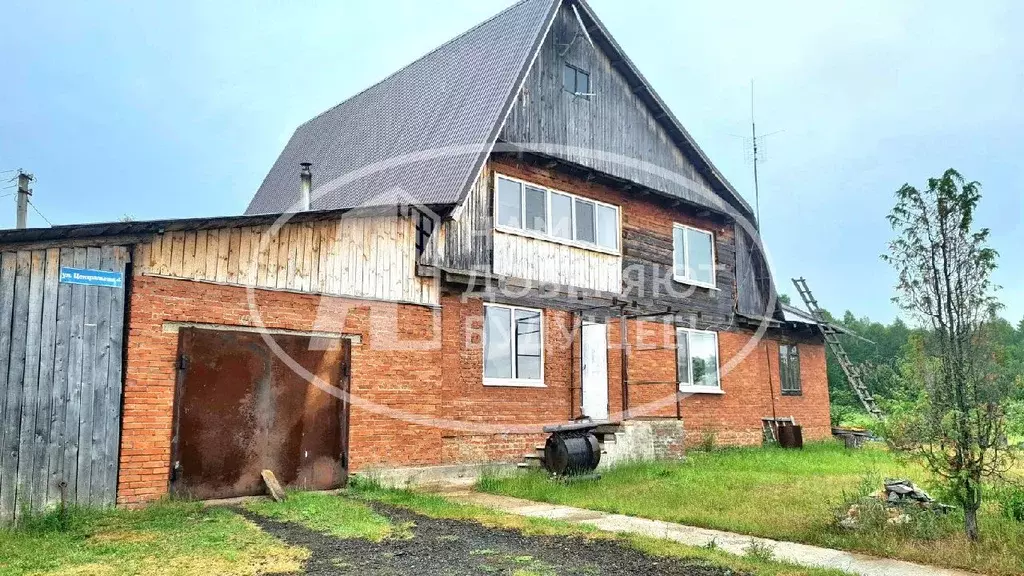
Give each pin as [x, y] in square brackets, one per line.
[364, 257]
[60, 372]
[550, 262]
[630, 143]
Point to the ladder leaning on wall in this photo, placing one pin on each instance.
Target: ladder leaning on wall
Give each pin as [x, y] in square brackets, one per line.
[853, 375]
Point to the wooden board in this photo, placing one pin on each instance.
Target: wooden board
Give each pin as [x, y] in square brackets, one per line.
[364, 257]
[61, 348]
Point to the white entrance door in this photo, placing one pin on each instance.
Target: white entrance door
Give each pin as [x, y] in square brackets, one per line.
[595, 370]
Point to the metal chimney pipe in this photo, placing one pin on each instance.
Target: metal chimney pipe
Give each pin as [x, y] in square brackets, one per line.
[23, 193]
[305, 185]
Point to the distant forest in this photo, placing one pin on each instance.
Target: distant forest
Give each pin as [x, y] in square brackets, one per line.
[885, 365]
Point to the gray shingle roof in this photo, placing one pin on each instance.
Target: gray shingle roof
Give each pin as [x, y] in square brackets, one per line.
[423, 133]
[424, 130]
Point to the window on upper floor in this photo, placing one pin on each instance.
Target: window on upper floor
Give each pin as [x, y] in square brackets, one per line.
[513, 346]
[789, 369]
[523, 207]
[693, 255]
[697, 361]
[576, 81]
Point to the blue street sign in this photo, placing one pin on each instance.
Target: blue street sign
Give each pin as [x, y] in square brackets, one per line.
[91, 277]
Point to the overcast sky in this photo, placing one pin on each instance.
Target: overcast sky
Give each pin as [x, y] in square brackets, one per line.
[179, 110]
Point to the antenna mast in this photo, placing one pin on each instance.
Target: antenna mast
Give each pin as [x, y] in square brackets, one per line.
[753, 135]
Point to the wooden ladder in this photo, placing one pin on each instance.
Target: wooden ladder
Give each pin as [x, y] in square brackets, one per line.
[853, 375]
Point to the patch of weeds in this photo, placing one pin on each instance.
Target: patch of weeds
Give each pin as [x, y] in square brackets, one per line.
[482, 552]
[708, 441]
[331, 514]
[760, 551]
[711, 545]
[447, 538]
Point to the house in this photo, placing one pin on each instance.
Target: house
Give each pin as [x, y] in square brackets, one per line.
[512, 231]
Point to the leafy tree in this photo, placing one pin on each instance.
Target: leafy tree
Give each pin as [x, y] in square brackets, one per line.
[944, 267]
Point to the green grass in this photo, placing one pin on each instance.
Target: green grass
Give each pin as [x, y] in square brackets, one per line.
[780, 494]
[165, 538]
[436, 506]
[330, 514]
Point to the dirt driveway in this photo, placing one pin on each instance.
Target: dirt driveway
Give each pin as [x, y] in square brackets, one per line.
[445, 547]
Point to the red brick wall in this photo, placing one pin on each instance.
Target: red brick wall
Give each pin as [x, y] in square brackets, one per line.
[400, 377]
[467, 401]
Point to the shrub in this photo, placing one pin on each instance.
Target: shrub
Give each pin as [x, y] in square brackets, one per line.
[1011, 502]
[761, 551]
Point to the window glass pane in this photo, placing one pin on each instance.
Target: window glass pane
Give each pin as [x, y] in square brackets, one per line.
[582, 82]
[678, 253]
[536, 209]
[607, 227]
[784, 366]
[528, 344]
[497, 343]
[510, 198]
[699, 266]
[584, 221]
[704, 357]
[682, 357]
[561, 216]
[789, 365]
[569, 78]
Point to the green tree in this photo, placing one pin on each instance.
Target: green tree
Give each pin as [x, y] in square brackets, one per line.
[944, 265]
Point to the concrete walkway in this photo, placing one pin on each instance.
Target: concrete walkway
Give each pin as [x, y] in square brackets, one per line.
[801, 554]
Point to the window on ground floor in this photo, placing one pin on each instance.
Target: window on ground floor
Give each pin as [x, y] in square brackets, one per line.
[697, 361]
[789, 369]
[513, 346]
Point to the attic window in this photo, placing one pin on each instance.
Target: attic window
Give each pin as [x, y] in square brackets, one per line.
[576, 80]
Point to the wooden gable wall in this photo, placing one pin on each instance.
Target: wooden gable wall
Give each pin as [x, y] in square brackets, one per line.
[613, 123]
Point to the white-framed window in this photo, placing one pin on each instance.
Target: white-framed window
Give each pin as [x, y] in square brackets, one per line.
[697, 361]
[524, 208]
[789, 370]
[693, 253]
[513, 346]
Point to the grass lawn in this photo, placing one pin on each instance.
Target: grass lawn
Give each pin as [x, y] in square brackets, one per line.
[440, 507]
[166, 538]
[186, 538]
[780, 494]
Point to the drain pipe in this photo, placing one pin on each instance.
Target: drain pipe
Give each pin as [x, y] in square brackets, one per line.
[771, 394]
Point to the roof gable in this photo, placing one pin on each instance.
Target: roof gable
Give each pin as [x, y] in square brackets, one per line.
[424, 132]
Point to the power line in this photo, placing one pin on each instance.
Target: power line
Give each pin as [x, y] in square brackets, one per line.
[40, 213]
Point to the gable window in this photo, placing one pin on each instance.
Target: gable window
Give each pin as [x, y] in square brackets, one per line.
[697, 361]
[693, 255]
[513, 346]
[789, 369]
[576, 81]
[558, 216]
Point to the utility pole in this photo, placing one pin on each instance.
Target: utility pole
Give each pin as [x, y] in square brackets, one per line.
[23, 193]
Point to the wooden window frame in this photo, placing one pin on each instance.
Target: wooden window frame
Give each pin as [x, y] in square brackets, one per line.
[689, 387]
[787, 377]
[547, 235]
[513, 382]
[685, 279]
[575, 83]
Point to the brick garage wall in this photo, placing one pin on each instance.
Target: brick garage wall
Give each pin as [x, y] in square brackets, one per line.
[398, 364]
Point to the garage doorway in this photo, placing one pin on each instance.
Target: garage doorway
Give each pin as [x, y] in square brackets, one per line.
[240, 409]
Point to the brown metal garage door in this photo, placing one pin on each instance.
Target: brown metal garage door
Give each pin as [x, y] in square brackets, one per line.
[240, 410]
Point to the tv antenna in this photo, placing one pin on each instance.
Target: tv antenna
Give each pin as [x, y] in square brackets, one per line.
[757, 154]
